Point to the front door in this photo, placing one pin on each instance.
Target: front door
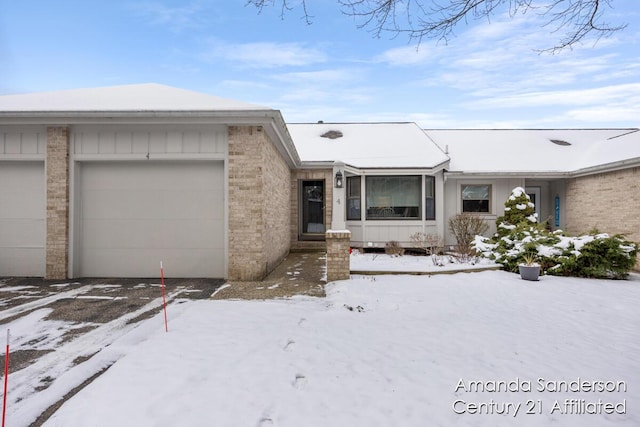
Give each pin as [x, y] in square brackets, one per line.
[312, 224]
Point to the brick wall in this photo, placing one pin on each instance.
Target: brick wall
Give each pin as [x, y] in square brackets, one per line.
[607, 201]
[57, 165]
[259, 200]
[338, 256]
[277, 200]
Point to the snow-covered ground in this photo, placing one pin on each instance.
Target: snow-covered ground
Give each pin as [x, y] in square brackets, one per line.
[373, 262]
[378, 351]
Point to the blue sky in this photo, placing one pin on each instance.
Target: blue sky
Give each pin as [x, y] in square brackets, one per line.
[489, 76]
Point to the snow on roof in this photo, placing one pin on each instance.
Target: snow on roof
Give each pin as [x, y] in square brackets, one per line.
[141, 97]
[366, 145]
[535, 150]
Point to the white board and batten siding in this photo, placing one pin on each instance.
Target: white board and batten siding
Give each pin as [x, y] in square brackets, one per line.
[22, 201]
[500, 191]
[376, 234]
[133, 211]
[157, 141]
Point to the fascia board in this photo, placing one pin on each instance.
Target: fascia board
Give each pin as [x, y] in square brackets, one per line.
[497, 175]
[609, 167]
[229, 117]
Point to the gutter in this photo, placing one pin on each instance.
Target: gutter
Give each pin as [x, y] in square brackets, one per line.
[523, 174]
[608, 167]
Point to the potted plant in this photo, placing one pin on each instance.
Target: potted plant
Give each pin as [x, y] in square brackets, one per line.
[529, 269]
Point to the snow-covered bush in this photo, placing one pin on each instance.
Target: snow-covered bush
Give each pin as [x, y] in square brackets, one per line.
[518, 211]
[519, 234]
[597, 255]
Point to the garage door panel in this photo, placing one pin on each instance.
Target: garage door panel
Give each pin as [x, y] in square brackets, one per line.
[14, 204]
[177, 263]
[149, 176]
[13, 262]
[135, 214]
[187, 204]
[21, 233]
[22, 218]
[149, 234]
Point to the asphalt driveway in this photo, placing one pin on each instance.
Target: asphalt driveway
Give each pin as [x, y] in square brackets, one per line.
[79, 319]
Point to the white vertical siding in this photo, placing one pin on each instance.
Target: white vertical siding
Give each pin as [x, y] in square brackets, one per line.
[23, 142]
[127, 141]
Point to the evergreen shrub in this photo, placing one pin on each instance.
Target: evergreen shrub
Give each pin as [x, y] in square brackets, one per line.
[519, 234]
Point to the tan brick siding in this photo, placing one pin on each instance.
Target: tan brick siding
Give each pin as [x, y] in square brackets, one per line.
[609, 202]
[259, 200]
[57, 165]
[310, 174]
[338, 256]
[277, 200]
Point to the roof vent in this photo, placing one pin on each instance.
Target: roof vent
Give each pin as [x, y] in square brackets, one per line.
[332, 134]
[560, 142]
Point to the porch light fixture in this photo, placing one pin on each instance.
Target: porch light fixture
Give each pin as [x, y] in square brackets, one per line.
[339, 181]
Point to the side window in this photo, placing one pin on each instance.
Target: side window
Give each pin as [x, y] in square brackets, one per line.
[430, 197]
[353, 198]
[476, 198]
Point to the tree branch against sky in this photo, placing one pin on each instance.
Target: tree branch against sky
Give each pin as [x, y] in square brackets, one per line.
[573, 21]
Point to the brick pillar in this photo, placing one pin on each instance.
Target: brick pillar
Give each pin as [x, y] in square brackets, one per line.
[57, 163]
[338, 261]
[246, 203]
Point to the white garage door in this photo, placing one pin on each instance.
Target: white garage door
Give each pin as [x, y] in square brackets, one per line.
[22, 219]
[135, 214]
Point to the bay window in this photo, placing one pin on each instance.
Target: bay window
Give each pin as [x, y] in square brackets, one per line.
[393, 197]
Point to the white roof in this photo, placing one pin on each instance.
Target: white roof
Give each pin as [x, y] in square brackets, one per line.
[367, 145]
[527, 150]
[142, 97]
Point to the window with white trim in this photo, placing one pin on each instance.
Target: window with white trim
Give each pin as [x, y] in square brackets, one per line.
[476, 198]
[354, 200]
[393, 197]
[430, 197]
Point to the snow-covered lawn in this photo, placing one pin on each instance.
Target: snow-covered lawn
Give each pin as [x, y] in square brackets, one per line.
[379, 351]
[374, 262]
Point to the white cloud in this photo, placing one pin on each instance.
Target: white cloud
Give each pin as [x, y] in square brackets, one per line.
[264, 54]
[176, 19]
[407, 55]
[591, 96]
[246, 84]
[319, 77]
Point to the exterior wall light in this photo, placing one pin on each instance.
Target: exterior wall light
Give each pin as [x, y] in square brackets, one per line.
[339, 181]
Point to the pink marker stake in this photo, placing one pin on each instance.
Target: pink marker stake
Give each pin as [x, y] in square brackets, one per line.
[164, 300]
[6, 380]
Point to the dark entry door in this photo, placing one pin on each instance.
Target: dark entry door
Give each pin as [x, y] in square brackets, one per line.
[312, 224]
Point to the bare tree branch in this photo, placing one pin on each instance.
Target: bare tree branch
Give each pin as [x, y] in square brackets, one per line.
[437, 19]
[285, 7]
